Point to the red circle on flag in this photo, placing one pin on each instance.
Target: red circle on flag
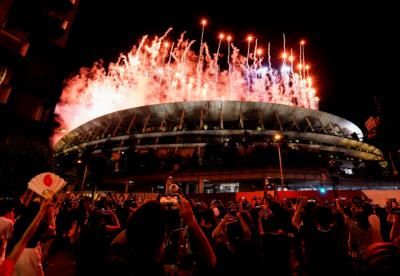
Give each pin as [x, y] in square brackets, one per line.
[48, 180]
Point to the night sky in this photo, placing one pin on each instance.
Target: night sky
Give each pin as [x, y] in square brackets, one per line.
[341, 39]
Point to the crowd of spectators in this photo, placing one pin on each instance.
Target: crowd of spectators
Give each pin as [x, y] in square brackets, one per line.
[171, 235]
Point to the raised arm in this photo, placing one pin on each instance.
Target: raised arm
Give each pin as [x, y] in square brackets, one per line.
[116, 225]
[219, 230]
[245, 227]
[201, 246]
[259, 225]
[297, 215]
[29, 232]
[395, 230]
[340, 209]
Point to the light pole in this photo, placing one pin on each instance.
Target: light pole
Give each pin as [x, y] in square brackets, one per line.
[278, 139]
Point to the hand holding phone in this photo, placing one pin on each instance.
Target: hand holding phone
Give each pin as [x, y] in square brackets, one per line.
[168, 199]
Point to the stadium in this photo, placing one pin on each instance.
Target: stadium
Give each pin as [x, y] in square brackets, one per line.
[218, 146]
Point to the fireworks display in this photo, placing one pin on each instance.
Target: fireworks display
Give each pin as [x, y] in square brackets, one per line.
[160, 70]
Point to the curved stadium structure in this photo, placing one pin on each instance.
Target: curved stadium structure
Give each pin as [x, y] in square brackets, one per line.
[229, 143]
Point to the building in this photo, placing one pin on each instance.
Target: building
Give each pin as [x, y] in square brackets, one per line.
[33, 38]
[217, 146]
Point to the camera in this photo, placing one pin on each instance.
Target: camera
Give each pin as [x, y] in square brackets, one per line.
[169, 199]
[234, 231]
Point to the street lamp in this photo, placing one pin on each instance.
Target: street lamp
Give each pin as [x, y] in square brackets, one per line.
[278, 138]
